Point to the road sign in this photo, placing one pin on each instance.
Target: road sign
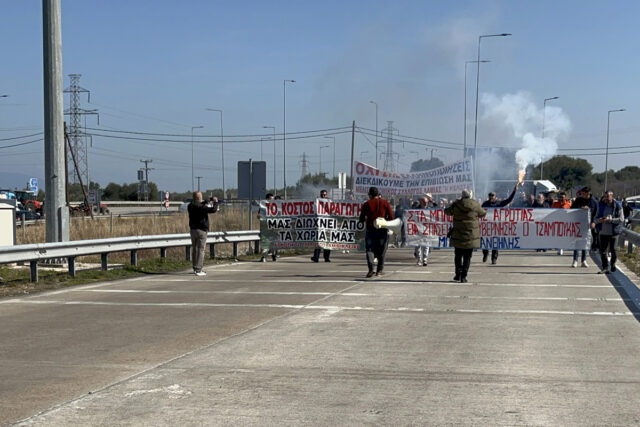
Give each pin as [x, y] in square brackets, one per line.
[252, 188]
[33, 184]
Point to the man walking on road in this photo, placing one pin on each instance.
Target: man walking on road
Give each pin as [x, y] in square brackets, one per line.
[199, 227]
[376, 239]
[493, 202]
[326, 253]
[609, 220]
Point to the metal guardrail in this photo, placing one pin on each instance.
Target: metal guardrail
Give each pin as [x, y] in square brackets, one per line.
[34, 253]
[629, 237]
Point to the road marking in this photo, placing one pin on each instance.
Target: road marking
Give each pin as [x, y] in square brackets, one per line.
[332, 308]
[351, 294]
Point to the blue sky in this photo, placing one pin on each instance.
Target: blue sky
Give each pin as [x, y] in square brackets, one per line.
[154, 66]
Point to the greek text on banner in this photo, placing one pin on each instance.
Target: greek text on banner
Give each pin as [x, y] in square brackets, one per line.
[506, 228]
[448, 179]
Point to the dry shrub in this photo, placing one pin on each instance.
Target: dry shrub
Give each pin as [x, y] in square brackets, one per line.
[84, 228]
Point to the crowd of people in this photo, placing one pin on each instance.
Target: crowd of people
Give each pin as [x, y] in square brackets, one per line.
[607, 217]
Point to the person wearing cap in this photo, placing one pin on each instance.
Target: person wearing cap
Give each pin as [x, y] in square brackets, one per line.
[493, 202]
[376, 239]
[585, 201]
[465, 235]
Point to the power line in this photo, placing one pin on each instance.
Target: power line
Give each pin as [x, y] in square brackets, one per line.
[22, 143]
[218, 136]
[21, 137]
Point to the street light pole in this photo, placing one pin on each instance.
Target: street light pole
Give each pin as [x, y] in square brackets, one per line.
[334, 153]
[606, 157]
[464, 151]
[193, 184]
[475, 132]
[274, 156]
[376, 104]
[320, 163]
[544, 116]
[224, 193]
[284, 134]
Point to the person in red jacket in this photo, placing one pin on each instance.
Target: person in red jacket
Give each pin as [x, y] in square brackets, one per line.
[562, 203]
[376, 239]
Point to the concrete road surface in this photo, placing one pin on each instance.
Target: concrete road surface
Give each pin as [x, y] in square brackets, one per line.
[529, 341]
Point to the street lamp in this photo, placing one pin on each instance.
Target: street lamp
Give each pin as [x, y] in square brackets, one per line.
[320, 164]
[464, 151]
[373, 102]
[475, 132]
[334, 153]
[224, 193]
[284, 134]
[274, 156]
[193, 184]
[544, 112]
[606, 156]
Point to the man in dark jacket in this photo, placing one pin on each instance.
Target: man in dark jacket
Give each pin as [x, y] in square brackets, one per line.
[465, 235]
[585, 201]
[375, 238]
[199, 227]
[609, 221]
[493, 202]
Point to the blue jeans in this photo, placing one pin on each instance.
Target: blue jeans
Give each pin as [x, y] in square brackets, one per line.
[584, 255]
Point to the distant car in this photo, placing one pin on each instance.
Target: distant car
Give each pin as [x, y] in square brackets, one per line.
[183, 207]
[28, 215]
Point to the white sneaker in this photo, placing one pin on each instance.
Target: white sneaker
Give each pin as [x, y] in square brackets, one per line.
[560, 251]
[574, 264]
[201, 273]
[584, 264]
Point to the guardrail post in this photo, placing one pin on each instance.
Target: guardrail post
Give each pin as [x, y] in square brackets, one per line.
[111, 223]
[34, 270]
[187, 252]
[134, 257]
[24, 228]
[256, 246]
[629, 248]
[103, 259]
[72, 266]
[212, 250]
[235, 249]
[163, 252]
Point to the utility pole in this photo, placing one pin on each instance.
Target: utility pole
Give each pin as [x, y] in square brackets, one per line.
[304, 163]
[146, 178]
[199, 178]
[57, 224]
[389, 154]
[76, 135]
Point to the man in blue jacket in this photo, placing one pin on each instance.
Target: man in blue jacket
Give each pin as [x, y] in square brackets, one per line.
[609, 221]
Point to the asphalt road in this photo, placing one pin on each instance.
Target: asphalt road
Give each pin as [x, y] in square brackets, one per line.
[529, 341]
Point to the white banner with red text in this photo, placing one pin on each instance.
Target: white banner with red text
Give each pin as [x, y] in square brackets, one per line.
[319, 223]
[448, 179]
[505, 228]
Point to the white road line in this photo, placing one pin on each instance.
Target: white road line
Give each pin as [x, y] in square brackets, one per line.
[351, 294]
[332, 308]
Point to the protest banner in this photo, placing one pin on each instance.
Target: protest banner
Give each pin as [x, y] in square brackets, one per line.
[448, 179]
[319, 223]
[505, 228]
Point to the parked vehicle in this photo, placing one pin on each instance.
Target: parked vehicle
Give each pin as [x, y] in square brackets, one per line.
[28, 215]
[183, 207]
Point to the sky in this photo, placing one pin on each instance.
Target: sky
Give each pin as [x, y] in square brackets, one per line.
[156, 66]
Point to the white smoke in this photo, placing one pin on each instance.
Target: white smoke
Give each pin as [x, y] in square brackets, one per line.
[518, 115]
